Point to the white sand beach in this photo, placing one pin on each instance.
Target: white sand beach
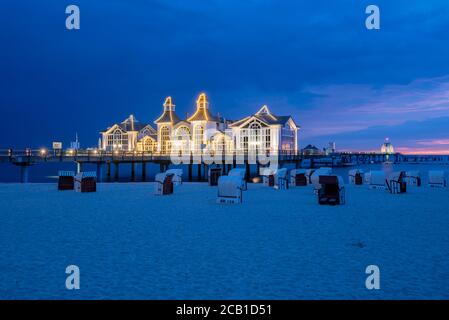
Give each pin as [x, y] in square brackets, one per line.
[129, 243]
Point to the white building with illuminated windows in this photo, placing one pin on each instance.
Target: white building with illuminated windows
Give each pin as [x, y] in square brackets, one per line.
[263, 131]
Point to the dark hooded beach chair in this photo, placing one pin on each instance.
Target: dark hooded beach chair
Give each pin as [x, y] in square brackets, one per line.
[66, 180]
[214, 174]
[332, 191]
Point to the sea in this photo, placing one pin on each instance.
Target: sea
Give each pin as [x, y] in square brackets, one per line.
[47, 173]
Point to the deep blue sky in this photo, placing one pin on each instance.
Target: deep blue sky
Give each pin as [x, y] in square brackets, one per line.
[314, 60]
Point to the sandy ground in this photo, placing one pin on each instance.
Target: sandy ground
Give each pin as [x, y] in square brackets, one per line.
[131, 244]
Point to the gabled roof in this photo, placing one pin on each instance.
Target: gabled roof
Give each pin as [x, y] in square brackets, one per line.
[148, 129]
[202, 110]
[265, 116]
[169, 115]
[310, 147]
[129, 124]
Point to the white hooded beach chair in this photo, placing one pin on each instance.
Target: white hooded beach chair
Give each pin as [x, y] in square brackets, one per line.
[281, 178]
[315, 177]
[298, 177]
[355, 176]
[229, 189]
[376, 179]
[267, 176]
[177, 176]
[86, 182]
[163, 183]
[240, 173]
[413, 178]
[437, 179]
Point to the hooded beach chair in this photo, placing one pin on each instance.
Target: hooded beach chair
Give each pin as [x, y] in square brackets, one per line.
[315, 177]
[213, 175]
[332, 191]
[241, 174]
[375, 179]
[396, 182]
[66, 180]
[163, 183]
[281, 178]
[229, 190]
[413, 178]
[437, 179]
[355, 177]
[177, 176]
[86, 182]
[298, 177]
[267, 176]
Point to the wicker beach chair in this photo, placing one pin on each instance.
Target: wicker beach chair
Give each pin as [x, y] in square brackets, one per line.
[86, 182]
[315, 177]
[177, 176]
[281, 178]
[437, 179]
[163, 183]
[298, 177]
[241, 174]
[332, 191]
[376, 179]
[66, 180]
[355, 177]
[213, 175]
[229, 190]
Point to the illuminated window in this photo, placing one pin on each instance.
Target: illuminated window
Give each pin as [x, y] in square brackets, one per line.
[183, 137]
[165, 140]
[198, 137]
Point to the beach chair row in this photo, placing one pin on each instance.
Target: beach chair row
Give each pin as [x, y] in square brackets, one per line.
[81, 182]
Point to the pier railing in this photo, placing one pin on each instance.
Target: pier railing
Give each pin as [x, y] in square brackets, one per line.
[95, 155]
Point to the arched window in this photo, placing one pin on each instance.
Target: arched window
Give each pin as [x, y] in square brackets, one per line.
[183, 137]
[165, 140]
[149, 145]
[117, 140]
[198, 137]
[255, 136]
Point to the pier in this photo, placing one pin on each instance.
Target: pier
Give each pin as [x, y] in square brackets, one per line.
[109, 162]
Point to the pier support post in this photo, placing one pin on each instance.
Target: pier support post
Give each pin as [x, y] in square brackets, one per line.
[248, 169]
[133, 171]
[190, 172]
[199, 172]
[144, 171]
[99, 172]
[24, 170]
[108, 171]
[116, 173]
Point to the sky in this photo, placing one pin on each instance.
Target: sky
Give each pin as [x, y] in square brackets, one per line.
[314, 60]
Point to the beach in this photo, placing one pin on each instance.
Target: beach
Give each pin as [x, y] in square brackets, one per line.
[277, 244]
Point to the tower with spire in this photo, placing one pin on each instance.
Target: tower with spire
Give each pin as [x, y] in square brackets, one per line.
[165, 125]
